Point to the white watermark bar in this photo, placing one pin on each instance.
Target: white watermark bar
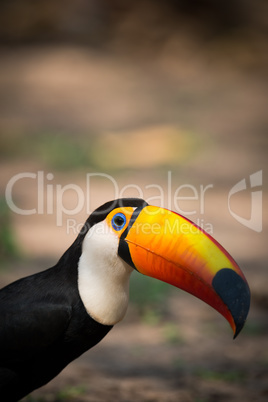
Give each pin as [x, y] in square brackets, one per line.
[50, 197]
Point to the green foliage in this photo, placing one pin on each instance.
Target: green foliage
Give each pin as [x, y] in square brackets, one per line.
[149, 296]
[172, 334]
[8, 245]
[70, 393]
[201, 400]
[226, 376]
[61, 152]
[255, 328]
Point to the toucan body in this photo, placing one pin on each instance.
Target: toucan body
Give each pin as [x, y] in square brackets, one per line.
[50, 318]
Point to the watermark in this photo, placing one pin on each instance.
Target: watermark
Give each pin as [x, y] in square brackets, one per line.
[185, 199]
[171, 225]
[254, 222]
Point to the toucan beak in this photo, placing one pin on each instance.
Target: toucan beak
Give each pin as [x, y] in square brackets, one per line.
[169, 247]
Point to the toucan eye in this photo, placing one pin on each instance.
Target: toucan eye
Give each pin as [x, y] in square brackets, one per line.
[118, 221]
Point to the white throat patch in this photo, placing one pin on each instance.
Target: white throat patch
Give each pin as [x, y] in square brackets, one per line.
[103, 277]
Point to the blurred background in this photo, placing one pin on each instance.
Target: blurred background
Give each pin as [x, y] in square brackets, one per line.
[163, 100]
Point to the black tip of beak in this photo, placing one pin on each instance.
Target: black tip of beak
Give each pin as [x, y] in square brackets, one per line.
[235, 294]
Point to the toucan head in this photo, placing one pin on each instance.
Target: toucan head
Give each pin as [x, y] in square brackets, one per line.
[129, 235]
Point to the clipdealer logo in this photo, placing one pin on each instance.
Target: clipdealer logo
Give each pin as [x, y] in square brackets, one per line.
[254, 222]
[51, 196]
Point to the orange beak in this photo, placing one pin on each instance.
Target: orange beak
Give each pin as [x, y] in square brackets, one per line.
[166, 246]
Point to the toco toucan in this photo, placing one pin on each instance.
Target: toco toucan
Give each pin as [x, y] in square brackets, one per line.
[50, 318]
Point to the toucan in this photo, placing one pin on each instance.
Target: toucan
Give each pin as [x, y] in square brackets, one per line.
[50, 318]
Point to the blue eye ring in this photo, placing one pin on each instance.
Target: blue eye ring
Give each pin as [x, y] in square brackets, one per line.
[118, 221]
